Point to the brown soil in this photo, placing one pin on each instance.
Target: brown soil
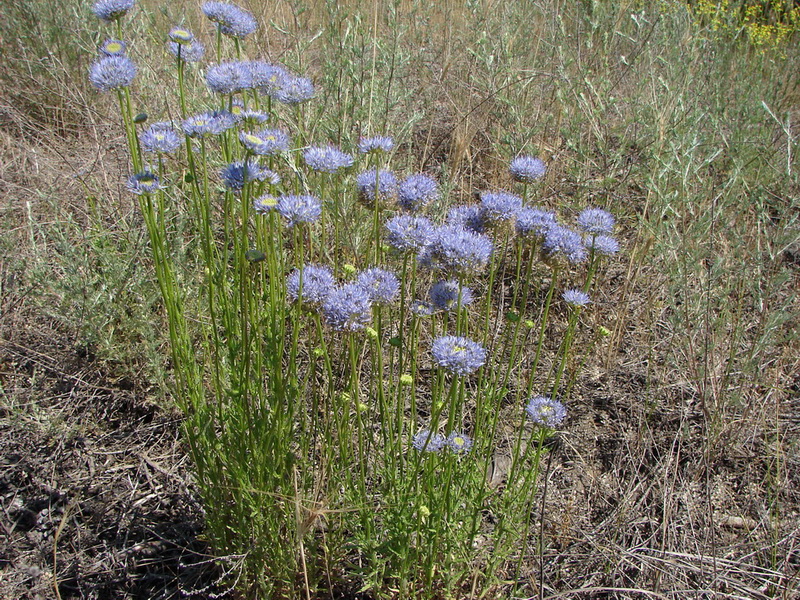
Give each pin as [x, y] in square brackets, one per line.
[93, 477]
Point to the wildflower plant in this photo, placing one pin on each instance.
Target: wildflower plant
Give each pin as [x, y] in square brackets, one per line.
[314, 374]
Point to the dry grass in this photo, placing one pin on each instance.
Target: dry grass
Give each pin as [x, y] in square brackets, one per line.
[678, 474]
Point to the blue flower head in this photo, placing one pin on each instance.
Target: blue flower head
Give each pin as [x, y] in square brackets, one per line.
[248, 116]
[145, 182]
[596, 221]
[179, 35]
[416, 192]
[467, 216]
[448, 295]
[299, 209]
[498, 207]
[112, 73]
[160, 137]
[381, 286]
[459, 443]
[229, 78]
[294, 90]
[208, 123]
[409, 234]
[327, 159]
[427, 441]
[348, 308]
[231, 20]
[265, 204]
[266, 142]
[459, 251]
[527, 169]
[575, 297]
[237, 174]
[534, 222]
[458, 355]
[113, 48]
[387, 186]
[111, 10]
[317, 282]
[189, 53]
[378, 143]
[604, 244]
[266, 77]
[562, 242]
[546, 411]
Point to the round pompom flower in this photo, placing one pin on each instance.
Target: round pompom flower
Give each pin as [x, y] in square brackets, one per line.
[459, 443]
[576, 297]
[111, 10]
[546, 411]
[267, 78]
[112, 73]
[299, 209]
[231, 20]
[459, 251]
[387, 186]
[229, 78]
[604, 244]
[416, 192]
[534, 222]
[427, 441]
[458, 355]
[145, 182]
[499, 206]
[317, 282]
[249, 116]
[348, 308]
[237, 174]
[189, 53]
[181, 35]
[563, 242]
[265, 204]
[266, 142]
[527, 169]
[294, 90]
[596, 221]
[378, 143]
[160, 137]
[382, 286]
[447, 295]
[467, 216]
[208, 123]
[327, 160]
[113, 48]
[406, 233]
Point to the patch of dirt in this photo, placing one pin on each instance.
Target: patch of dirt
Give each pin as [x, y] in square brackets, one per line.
[94, 484]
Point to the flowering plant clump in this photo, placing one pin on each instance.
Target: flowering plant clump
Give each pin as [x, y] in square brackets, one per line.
[361, 341]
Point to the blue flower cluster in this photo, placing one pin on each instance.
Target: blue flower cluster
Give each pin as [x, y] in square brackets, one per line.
[327, 160]
[112, 73]
[299, 208]
[527, 169]
[386, 184]
[112, 10]
[545, 411]
[416, 192]
[266, 142]
[239, 173]
[458, 355]
[230, 19]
